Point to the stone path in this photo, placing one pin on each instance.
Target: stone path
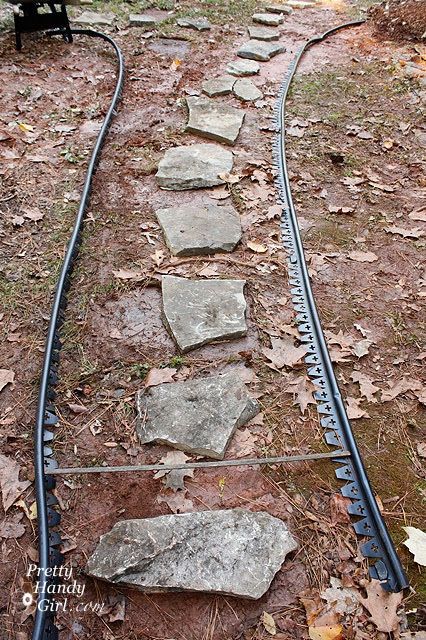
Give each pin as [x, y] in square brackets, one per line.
[234, 552]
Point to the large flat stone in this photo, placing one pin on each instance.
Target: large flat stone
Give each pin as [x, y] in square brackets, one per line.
[269, 19]
[142, 20]
[220, 86]
[234, 552]
[199, 24]
[191, 230]
[263, 33]
[243, 68]
[246, 90]
[198, 416]
[214, 120]
[193, 167]
[201, 311]
[278, 8]
[92, 17]
[257, 50]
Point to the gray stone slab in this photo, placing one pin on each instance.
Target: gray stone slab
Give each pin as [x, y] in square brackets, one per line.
[278, 8]
[269, 19]
[246, 90]
[201, 311]
[199, 24]
[193, 167]
[263, 33]
[142, 20]
[243, 68]
[197, 416]
[191, 230]
[234, 552]
[214, 120]
[91, 18]
[258, 50]
[298, 4]
[220, 86]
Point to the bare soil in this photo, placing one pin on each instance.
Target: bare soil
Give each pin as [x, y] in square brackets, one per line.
[361, 147]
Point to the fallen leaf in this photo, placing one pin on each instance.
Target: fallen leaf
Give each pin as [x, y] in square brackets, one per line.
[32, 214]
[257, 247]
[400, 387]
[177, 503]
[174, 479]
[405, 233]
[302, 389]
[268, 623]
[25, 127]
[382, 606]
[326, 633]
[366, 386]
[341, 599]
[12, 527]
[421, 449]
[284, 353]
[7, 376]
[18, 221]
[419, 214]
[175, 64]
[77, 408]
[295, 132]
[114, 608]
[416, 543]
[126, 274]
[353, 409]
[361, 347]
[159, 376]
[243, 443]
[340, 209]
[274, 211]
[11, 486]
[362, 256]
[229, 178]
[339, 509]
[388, 143]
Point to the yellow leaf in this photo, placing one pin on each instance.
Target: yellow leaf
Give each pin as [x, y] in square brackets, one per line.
[25, 127]
[33, 511]
[326, 633]
[257, 247]
[175, 64]
[269, 623]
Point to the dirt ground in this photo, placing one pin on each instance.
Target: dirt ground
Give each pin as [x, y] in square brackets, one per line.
[356, 151]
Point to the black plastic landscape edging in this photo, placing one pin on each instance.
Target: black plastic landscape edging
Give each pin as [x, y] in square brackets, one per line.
[333, 417]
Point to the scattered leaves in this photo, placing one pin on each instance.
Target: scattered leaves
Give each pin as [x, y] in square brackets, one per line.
[159, 376]
[12, 527]
[400, 387]
[283, 352]
[366, 386]
[382, 606]
[416, 543]
[11, 486]
[7, 376]
[362, 256]
[302, 389]
[353, 409]
[269, 623]
[126, 274]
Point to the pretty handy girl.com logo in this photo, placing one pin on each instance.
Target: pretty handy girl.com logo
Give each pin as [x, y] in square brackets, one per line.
[53, 596]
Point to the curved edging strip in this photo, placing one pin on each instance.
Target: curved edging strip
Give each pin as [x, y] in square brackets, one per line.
[47, 517]
[338, 432]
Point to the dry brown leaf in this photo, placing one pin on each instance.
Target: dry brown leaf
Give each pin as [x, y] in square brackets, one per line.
[243, 443]
[177, 502]
[382, 606]
[7, 376]
[400, 387]
[339, 509]
[127, 274]
[418, 215]
[175, 478]
[257, 247]
[11, 486]
[284, 353]
[340, 209]
[77, 408]
[362, 256]
[405, 233]
[361, 348]
[366, 386]
[12, 527]
[159, 376]
[302, 389]
[421, 449]
[353, 409]
[345, 342]
[268, 623]
[158, 257]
